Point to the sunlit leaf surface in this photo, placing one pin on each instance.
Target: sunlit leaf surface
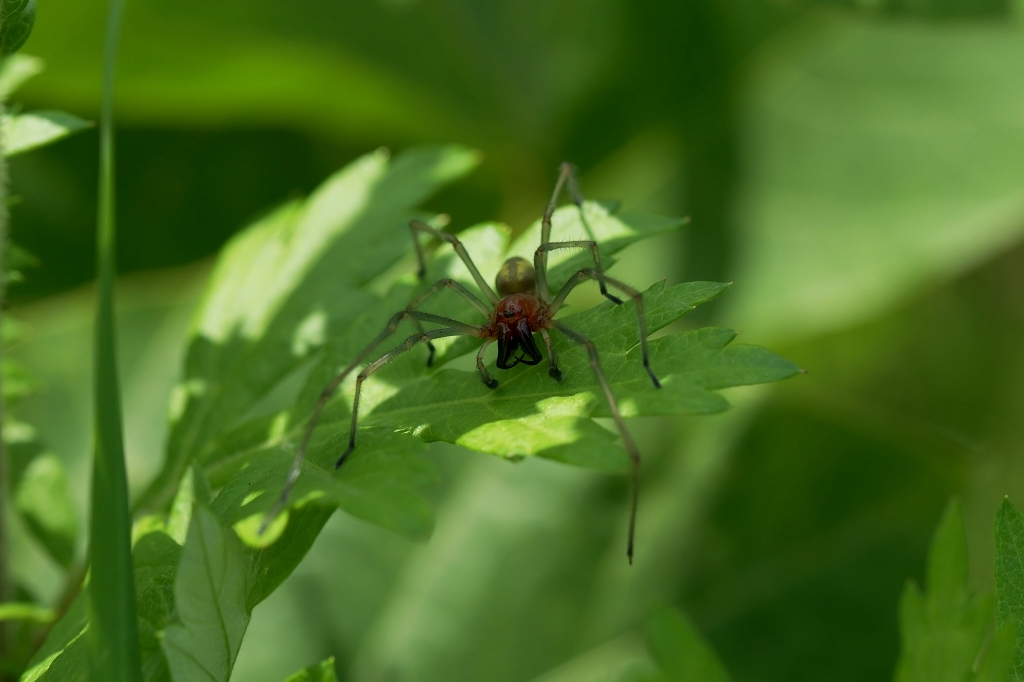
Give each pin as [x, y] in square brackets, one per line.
[28, 131]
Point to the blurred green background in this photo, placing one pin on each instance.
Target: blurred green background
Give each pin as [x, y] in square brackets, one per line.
[857, 168]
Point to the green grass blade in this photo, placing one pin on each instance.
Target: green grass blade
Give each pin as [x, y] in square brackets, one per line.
[113, 637]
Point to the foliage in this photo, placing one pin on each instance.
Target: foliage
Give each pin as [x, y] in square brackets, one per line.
[16, 20]
[855, 173]
[314, 260]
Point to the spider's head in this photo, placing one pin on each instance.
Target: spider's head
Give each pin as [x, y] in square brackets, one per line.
[516, 276]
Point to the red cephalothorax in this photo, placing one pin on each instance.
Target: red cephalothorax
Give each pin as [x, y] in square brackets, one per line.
[515, 319]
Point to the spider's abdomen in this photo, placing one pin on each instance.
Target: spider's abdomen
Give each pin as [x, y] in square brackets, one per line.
[516, 276]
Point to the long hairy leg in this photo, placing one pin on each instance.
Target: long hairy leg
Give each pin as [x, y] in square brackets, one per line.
[457, 288]
[553, 370]
[627, 439]
[589, 273]
[434, 289]
[566, 178]
[540, 263]
[455, 328]
[419, 226]
[485, 376]
[461, 330]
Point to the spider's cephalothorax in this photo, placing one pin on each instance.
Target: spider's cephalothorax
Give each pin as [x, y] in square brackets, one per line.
[517, 315]
[522, 306]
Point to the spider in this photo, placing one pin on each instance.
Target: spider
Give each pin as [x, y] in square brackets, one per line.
[519, 305]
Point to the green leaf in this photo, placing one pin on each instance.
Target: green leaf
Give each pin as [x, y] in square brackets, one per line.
[34, 129]
[155, 560]
[288, 283]
[680, 651]
[324, 672]
[44, 501]
[71, 665]
[1010, 578]
[944, 630]
[15, 70]
[16, 23]
[59, 641]
[209, 595]
[529, 414]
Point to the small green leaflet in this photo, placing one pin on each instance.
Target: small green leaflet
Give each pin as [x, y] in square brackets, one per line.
[945, 629]
[31, 130]
[23, 132]
[210, 598]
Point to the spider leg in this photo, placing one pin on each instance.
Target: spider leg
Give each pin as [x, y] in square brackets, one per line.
[485, 376]
[627, 439]
[436, 287]
[588, 273]
[461, 330]
[540, 256]
[566, 177]
[457, 288]
[460, 250]
[553, 370]
[455, 328]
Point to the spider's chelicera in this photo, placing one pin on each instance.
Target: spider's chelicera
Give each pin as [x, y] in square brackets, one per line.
[519, 306]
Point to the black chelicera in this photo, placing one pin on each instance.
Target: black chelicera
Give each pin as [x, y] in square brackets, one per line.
[519, 306]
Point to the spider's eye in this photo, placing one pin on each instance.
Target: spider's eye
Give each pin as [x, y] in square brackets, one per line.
[509, 313]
